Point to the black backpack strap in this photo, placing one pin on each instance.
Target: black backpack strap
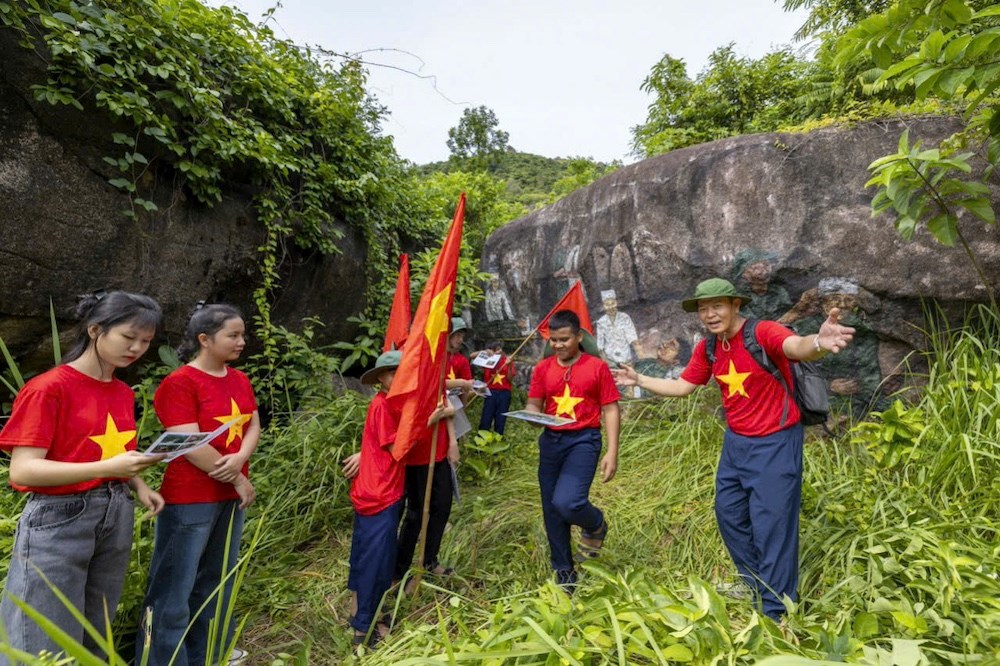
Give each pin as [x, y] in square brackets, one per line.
[710, 350]
[757, 353]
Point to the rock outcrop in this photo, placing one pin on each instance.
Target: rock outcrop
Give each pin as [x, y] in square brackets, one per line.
[62, 231]
[786, 215]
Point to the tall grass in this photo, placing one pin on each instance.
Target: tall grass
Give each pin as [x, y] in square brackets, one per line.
[900, 551]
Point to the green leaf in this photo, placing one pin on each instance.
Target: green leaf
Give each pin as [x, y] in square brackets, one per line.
[981, 208]
[944, 227]
[121, 183]
[65, 18]
[56, 347]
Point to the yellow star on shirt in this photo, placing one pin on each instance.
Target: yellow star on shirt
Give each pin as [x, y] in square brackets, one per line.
[451, 373]
[236, 429]
[565, 404]
[734, 380]
[113, 441]
[499, 377]
[437, 319]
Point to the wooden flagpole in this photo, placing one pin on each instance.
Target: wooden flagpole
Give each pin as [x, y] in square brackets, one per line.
[426, 514]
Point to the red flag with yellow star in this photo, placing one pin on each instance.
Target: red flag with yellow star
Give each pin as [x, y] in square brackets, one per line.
[572, 300]
[399, 317]
[419, 382]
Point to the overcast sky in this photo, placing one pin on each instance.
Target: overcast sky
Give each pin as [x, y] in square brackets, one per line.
[563, 76]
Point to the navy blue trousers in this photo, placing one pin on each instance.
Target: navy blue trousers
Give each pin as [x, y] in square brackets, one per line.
[494, 407]
[373, 555]
[567, 461]
[758, 490]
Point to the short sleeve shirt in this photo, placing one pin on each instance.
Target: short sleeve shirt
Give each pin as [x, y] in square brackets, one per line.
[379, 483]
[577, 391]
[75, 418]
[458, 367]
[498, 378]
[420, 453]
[753, 399]
[189, 395]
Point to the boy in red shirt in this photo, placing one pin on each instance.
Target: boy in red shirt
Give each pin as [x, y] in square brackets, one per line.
[497, 380]
[377, 496]
[575, 385]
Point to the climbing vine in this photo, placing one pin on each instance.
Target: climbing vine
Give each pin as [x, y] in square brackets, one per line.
[202, 96]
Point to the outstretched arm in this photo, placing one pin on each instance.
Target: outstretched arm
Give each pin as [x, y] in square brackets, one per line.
[672, 388]
[832, 337]
[612, 425]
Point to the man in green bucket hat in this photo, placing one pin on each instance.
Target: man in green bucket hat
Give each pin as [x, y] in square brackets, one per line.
[758, 484]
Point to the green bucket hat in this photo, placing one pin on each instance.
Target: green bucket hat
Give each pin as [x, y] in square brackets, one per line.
[457, 324]
[713, 288]
[386, 361]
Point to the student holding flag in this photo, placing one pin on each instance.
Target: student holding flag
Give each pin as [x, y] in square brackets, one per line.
[377, 496]
[417, 390]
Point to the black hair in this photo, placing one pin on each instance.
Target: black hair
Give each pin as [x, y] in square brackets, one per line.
[565, 319]
[108, 309]
[207, 319]
[495, 344]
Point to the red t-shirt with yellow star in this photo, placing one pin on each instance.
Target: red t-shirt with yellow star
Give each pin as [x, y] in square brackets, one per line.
[577, 391]
[379, 483]
[458, 367]
[188, 395]
[76, 418]
[498, 378]
[752, 397]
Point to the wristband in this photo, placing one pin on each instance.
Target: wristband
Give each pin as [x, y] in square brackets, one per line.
[816, 344]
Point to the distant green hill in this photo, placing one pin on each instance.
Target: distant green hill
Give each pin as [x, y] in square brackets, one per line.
[534, 180]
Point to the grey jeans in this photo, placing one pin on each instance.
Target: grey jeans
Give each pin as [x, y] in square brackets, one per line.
[81, 543]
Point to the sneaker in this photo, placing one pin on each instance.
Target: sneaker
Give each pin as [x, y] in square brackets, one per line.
[236, 656]
[738, 590]
[566, 579]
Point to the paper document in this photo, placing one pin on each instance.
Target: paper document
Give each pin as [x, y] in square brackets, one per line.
[176, 444]
[485, 359]
[454, 482]
[535, 417]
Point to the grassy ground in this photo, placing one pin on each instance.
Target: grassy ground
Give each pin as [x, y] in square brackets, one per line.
[900, 551]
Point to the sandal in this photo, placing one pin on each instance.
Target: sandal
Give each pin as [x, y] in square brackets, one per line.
[437, 569]
[588, 551]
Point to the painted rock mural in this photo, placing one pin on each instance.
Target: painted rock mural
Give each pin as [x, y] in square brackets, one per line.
[786, 217]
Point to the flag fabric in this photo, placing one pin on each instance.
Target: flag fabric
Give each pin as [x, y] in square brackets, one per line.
[572, 300]
[399, 317]
[419, 383]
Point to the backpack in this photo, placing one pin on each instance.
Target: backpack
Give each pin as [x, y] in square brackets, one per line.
[810, 388]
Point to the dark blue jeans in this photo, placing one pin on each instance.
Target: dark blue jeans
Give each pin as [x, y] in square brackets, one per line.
[567, 461]
[373, 557]
[758, 490]
[494, 407]
[189, 562]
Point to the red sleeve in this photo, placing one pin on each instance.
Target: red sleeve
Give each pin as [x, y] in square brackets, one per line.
[176, 401]
[771, 335]
[384, 422]
[536, 389]
[698, 371]
[511, 371]
[606, 385]
[32, 421]
[463, 370]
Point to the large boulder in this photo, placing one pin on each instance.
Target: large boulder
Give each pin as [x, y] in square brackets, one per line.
[784, 215]
[62, 231]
